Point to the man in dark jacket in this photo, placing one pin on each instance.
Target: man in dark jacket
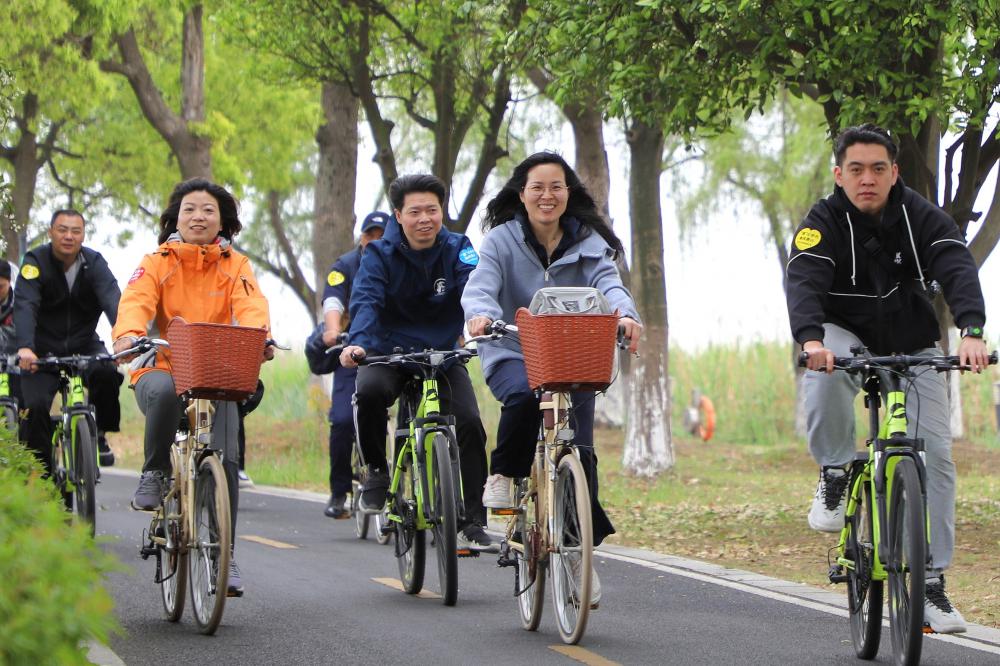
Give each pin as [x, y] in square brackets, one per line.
[336, 303]
[860, 272]
[408, 294]
[58, 300]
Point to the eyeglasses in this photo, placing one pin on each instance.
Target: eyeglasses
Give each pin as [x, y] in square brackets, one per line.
[536, 190]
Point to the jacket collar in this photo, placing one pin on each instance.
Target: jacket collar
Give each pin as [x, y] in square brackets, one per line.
[891, 214]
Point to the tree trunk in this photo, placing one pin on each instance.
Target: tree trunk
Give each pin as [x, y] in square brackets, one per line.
[26, 162]
[336, 178]
[648, 446]
[591, 155]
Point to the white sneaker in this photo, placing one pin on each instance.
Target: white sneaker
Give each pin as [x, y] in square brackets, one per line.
[827, 512]
[595, 583]
[498, 492]
[939, 614]
[245, 480]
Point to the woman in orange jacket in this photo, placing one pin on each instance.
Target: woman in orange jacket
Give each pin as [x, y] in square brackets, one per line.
[195, 274]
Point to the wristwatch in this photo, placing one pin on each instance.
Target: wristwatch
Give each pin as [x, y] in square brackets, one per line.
[972, 332]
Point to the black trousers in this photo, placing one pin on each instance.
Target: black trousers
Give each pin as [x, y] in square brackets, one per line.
[39, 388]
[379, 386]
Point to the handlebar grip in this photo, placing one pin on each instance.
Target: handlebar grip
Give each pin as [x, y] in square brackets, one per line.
[803, 359]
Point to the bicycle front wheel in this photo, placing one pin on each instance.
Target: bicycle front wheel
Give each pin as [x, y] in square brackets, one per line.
[529, 576]
[210, 545]
[84, 473]
[907, 539]
[10, 419]
[410, 542]
[864, 595]
[446, 521]
[173, 560]
[572, 550]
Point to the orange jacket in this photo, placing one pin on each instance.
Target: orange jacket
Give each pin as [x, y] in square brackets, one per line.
[201, 283]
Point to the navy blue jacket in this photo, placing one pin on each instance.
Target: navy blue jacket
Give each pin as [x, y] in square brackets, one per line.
[341, 277]
[409, 298]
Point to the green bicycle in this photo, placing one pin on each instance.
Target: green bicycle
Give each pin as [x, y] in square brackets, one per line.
[425, 493]
[886, 532]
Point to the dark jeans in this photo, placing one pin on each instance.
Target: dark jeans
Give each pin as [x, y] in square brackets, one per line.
[517, 433]
[342, 430]
[379, 386]
[39, 388]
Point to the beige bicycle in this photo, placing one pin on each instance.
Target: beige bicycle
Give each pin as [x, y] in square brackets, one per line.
[549, 532]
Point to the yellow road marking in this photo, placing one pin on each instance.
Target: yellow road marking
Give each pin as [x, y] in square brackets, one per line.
[394, 583]
[267, 542]
[583, 655]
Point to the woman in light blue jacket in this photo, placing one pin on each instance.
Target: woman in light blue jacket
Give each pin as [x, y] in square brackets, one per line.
[544, 230]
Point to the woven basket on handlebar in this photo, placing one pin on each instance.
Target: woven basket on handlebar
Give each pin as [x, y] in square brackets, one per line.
[215, 361]
[568, 352]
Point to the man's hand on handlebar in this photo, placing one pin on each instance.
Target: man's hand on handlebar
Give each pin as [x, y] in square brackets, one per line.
[26, 359]
[972, 352]
[819, 357]
[351, 355]
[478, 325]
[631, 331]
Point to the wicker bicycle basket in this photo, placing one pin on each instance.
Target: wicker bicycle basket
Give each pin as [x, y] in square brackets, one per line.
[215, 361]
[568, 352]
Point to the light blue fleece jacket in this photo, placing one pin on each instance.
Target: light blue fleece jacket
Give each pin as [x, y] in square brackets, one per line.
[509, 273]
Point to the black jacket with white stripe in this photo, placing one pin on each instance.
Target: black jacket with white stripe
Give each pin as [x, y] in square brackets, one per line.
[833, 275]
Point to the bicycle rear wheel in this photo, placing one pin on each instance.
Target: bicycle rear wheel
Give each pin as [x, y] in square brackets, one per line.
[361, 520]
[9, 415]
[173, 560]
[907, 539]
[572, 550]
[529, 576]
[84, 473]
[410, 543]
[445, 512]
[864, 595]
[210, 545]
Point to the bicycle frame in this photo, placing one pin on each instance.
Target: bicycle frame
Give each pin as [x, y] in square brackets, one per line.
[74, 407]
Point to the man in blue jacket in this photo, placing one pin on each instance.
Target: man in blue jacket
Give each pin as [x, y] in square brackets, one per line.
[408, 294]
[336, 303]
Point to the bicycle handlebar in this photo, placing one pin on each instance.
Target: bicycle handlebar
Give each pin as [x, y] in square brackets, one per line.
[856, 364]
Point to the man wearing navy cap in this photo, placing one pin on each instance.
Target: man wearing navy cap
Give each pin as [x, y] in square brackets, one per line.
[336, 301]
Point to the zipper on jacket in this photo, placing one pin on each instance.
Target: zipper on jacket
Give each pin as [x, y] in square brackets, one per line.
[246, 286]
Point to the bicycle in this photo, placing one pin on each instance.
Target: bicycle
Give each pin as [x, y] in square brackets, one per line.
[550, 526]
[886, 537]
[74, 436]
[425, 492]
[190, 533]
[8, 403]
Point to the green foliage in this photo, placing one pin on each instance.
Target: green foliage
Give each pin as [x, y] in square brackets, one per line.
[52, 598]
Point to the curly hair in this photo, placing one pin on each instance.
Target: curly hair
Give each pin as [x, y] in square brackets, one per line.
[229, 208]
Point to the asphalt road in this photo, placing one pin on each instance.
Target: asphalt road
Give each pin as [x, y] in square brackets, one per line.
[320, 602]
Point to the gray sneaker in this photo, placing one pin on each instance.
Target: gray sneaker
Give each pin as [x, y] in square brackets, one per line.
[235, 586]
[474, 537]
[149, 494]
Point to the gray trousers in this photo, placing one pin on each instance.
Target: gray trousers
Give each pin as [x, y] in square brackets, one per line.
[829, 406]
[158, 401]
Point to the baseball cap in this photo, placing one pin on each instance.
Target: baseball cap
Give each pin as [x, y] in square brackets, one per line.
[376, 219]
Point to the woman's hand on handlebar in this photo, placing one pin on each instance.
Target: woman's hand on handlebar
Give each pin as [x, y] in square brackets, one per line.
[269, 352]
[478, 325]
[631, 331]
[351, 355]
[818, 357]
[972, 352]
[122, 344]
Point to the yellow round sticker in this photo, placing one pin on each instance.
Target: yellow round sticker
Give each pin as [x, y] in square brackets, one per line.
[29, 271]
[335, 278]
[807, 238]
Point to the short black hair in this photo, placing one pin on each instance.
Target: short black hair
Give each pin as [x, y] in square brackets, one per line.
[4, 269]
[420, 182]
[867, 133]
[70, 212]
[229, 208]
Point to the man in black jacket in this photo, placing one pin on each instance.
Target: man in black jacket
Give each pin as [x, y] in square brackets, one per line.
[860, 271]
[59, 297]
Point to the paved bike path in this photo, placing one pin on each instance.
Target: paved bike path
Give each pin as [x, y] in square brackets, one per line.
[313, 598]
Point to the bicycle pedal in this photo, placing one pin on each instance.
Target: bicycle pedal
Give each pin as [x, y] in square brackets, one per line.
[466, 552]
[505, 512]
[928, 630]
[836, 574]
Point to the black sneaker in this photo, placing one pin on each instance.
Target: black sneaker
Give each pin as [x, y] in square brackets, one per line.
[474, 537]
[335, 508]
[235, 586]
[149, 494]
[105, 455]
[373, 492]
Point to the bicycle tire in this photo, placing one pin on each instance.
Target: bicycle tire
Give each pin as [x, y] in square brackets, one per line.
[362, 520]
[864, 595]
[10, 420]
[410, 543]
[381, 520]
[84, 474]
[571, 552]
[173, 560]
[445, 511]
[907, 539]
[529, 575]
[210, 545]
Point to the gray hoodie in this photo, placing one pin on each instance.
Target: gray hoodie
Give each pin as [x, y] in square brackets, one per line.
[509, 273]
